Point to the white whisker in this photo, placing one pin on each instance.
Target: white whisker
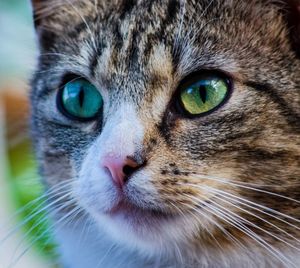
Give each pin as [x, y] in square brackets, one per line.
[105, 256]
[234, 217]
[245, 201]
[211, 189]
[37, 211]
[229, 235]
[260, 206]
[246, 187]
[40, 223]
[41, 235]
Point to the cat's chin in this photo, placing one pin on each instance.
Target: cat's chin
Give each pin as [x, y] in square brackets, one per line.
[144, 229]
[137, 219]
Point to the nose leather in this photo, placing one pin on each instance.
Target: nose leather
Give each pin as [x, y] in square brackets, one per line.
[120, 168]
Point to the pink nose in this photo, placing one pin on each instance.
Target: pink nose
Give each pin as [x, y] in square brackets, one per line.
[120, 169]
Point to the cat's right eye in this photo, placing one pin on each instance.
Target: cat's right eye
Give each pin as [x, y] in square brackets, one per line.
[79, 100]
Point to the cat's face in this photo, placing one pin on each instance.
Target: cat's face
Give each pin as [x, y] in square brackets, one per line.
[148, 166]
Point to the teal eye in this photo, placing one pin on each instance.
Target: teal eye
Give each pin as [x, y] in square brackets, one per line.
[79, 99]
[203, 94]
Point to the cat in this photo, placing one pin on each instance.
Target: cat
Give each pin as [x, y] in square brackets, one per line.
[167, 132]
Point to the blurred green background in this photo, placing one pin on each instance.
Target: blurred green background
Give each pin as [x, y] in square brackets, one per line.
[19, 182]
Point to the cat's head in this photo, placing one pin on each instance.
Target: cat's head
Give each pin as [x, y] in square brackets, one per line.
[174, 122]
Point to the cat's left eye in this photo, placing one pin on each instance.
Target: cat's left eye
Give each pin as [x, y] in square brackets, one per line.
[203, 93]
[79, 100]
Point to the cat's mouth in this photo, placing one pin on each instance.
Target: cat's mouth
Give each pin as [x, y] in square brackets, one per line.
[136, 214]
[129, 223]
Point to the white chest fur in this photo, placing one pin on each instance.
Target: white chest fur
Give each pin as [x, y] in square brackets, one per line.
[84, 246]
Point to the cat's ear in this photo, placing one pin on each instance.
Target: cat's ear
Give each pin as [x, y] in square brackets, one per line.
[292, 14]
[47, 16]
[35, 7]
[42, 9]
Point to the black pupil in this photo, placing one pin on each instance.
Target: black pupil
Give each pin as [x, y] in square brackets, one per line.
[81, 96]
[203, 94]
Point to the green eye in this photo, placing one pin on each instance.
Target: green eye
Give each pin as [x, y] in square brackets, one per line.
[79, 99]
[203, 94]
